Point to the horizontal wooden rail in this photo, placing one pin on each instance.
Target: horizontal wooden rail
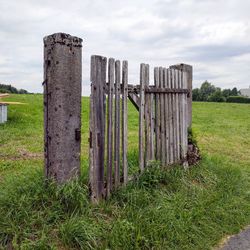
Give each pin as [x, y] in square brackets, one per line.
[152, 89]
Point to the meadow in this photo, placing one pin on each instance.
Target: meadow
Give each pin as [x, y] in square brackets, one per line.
[162, 209]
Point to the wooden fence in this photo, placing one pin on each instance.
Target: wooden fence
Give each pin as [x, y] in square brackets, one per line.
[163, 121]
[165, 112]
[114, 90]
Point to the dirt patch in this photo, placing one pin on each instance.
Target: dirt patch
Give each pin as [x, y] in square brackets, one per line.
[22, 155]
[29, 155]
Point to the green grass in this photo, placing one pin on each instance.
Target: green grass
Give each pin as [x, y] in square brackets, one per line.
[162, 209]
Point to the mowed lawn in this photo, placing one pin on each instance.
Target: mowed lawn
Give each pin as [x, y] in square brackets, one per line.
[163, 209]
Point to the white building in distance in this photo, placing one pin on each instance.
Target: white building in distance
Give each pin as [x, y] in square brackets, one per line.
[245, 92]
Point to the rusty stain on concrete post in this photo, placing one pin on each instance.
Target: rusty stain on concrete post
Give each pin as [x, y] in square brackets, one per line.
[62, 106]
[189, 69]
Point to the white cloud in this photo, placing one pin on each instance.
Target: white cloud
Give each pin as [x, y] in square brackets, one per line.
[213, 36]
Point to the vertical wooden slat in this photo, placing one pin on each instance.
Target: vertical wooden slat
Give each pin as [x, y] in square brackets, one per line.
[175, 116]
[181, 101]
[177, 84]
[141, 116]
[165, 85]
[124, 120]
[97, 127]
[157, 115]
[117, 123]
[179, 117]
[171, 129]
[162, 117]
[184, 114]
[186, 118]
[111, 68]
[189, 69]
[147, 118]
[169, 123]
[152, 125]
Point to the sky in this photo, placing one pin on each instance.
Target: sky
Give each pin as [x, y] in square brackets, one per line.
[212, 36]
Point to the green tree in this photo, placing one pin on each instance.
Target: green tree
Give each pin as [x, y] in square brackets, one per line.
[23, 91]
[217, 96]
[226, 92]
[4, 88]
[234, 92]
[196, 94]
[206, 90]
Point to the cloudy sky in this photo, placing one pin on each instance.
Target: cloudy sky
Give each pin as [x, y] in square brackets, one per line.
[213, 36]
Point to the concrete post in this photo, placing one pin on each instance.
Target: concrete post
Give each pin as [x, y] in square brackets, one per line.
[62, 106]
[189, 69]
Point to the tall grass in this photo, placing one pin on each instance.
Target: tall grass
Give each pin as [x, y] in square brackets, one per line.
[160, 209]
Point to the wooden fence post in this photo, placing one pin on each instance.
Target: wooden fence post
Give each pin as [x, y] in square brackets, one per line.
[97, 127]
[189, 69]
[62, 106]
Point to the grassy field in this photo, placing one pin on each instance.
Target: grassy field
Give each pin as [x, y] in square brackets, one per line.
[163, 209]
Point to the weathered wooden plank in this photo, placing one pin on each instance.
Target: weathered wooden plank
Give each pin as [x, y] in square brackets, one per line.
[165, 90]
[189, 69]
[117, 123]
[152, 125]
[97, 127]
[186, 115]
[177, 116]
[152, 89]
[147, 119]
[157, 116]
[124, 120]
[141, 117]
[174, 116]
[111, 69]
[171, 133]
[165, 82]
[181, 115]
[162, 118]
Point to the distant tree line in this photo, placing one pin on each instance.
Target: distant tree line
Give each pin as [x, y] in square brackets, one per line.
[10, 89]
[209, 93]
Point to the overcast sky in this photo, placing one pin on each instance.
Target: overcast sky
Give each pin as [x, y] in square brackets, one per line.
[213, 36]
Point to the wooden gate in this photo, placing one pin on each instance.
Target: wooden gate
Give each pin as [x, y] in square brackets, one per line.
[163, 121]
[164, 109]
[101, 181]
